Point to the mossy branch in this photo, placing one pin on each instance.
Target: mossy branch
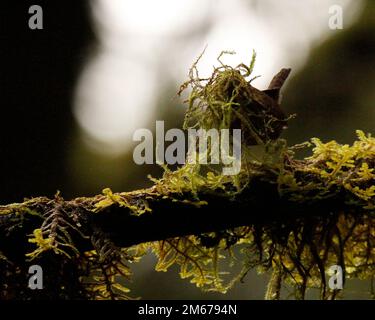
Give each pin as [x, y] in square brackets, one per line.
[304, 210]
[168, 215]
[295, 217]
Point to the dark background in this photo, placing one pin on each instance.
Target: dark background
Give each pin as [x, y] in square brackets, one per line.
[38, 71]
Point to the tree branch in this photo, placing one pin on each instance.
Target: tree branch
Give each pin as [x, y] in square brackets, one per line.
[295, 216]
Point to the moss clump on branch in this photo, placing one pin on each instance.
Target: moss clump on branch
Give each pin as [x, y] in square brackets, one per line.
[227, 100]
[293, 217]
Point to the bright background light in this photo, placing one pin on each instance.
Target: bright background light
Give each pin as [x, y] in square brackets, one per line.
[146, 45]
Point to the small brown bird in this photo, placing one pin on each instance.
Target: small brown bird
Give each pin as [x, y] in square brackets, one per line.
[262, 117]
[257, 113]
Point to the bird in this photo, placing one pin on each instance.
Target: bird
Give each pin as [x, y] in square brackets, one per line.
[264, 118]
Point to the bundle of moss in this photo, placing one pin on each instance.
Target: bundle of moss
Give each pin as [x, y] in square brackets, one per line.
[227, 100]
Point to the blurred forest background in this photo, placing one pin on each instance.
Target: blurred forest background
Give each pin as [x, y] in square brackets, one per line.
[73, 93]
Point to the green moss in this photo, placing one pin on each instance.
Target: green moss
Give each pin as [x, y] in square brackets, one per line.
[331, 169]
[298, 249]
[122, 200]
